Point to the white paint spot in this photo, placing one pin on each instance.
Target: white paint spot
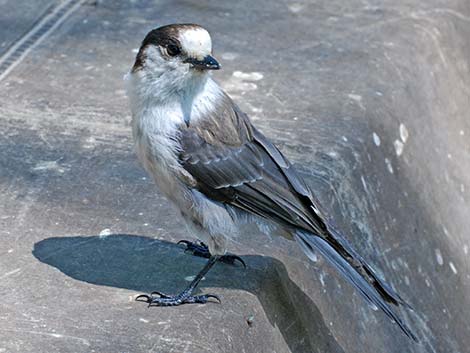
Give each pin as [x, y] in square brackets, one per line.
[404, 133]
[452, 267]
[407, 281]
[104, 233]
[439, 258]
[345, 139]
[398, 147]
[135, 50]
[145, 321]
[462, 188]
[462, 132]
[10, 251]
[380, 94]
[449, 155]
[229, 56]
[376, 139]
[465, 249]
[428, 284]
[389, 165]
[248, 76]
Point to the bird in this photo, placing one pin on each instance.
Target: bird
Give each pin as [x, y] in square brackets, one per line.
[221, 172]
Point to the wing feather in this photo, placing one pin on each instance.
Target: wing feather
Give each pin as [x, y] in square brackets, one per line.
[248, 172]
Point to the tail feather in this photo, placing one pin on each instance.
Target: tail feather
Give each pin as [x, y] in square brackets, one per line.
[335, 249]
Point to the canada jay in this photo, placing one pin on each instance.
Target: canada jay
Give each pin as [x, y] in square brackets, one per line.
[220, 171]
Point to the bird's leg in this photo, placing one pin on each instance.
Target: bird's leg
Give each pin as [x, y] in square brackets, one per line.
[202, 250]
[185, 297]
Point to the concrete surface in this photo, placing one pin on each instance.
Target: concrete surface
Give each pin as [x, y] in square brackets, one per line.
[369, 98]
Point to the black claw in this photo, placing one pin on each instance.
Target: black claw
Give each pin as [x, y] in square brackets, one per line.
[216, 297]
[196, 249]
[147, 298]
[184, 242]
[201, 250]
[230, 259]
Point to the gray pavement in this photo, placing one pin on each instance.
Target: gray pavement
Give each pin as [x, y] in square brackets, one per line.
[369, 99]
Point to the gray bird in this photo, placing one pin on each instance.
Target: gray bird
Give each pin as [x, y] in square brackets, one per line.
[220, 171]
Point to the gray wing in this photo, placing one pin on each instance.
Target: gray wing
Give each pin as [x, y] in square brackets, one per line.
[251, 174]
[235, 164]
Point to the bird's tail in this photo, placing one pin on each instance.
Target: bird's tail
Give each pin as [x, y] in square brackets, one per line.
[334, 248]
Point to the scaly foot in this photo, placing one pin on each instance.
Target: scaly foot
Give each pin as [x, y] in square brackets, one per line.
[160, 299]
[202, 250]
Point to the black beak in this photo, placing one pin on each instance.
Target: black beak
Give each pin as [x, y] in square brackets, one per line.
[208, 63]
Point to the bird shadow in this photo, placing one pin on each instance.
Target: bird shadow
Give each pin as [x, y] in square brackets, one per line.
[144, 264]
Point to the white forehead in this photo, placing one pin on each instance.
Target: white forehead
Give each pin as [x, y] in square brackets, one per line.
[196, 42]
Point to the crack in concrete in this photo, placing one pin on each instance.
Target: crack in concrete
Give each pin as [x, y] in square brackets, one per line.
[45, 26]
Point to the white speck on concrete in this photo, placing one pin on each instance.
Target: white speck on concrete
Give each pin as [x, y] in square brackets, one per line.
[428, 284]
[145, 321]
[452, 267]
[345, 139]
[465, 249]
[135, 50]
[242, 82]
[404, 133]
[10, 273]
[358, 99]
[104, 233]
[398, 147]
[10, 251]
[364, 184]
[48, 165]
[355, 97]
[376, 139]
[407, 281]
[248, 76]
[462, 132]
[322, 279]
[389, 165]
[439, 258]
[295, 7]
[229, 56]
[380, 94]
[462, 188]
[191, 278]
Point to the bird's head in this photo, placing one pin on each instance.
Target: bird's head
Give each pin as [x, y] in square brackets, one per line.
[174, 54]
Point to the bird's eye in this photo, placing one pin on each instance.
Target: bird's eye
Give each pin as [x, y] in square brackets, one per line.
[173, 49]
